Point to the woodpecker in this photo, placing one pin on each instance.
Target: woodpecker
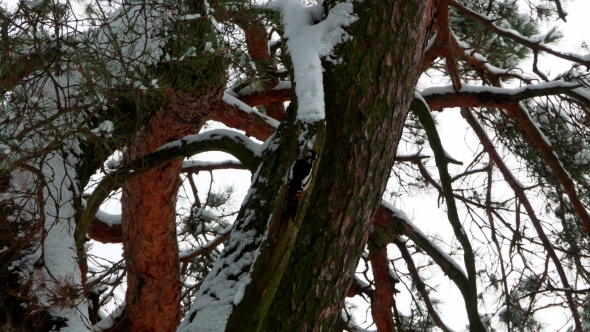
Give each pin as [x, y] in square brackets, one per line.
[298, 180]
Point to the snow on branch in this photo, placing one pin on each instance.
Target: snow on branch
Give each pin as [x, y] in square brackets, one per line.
[232, 142]
[486, 96]
[307, 42]
[534, 44]
[389, 215]
[106, 228]
[271, 96]
[235, 143]
[233, 101]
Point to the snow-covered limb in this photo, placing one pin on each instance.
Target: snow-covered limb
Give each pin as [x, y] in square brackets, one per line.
[486, 96]
[307, 42]
[271, 96]
[534, 44]
[232, 142]
[224, 140]
[108, 218]
[225, 285]
[106, 228]
[250, 122]
[233, 101]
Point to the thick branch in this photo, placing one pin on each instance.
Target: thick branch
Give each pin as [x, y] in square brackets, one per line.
[266, 97]
[234, 113]
[476, 96]
[106, 228]
[224, 140]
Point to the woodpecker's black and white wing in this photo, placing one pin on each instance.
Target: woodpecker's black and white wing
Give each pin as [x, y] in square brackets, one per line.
[299, 175]
[298, 180]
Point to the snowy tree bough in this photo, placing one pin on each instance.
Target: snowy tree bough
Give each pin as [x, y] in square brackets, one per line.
[231, 142]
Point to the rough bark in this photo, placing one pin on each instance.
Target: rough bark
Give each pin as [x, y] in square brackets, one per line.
[148, 216]
[382, 305]
[367, 99]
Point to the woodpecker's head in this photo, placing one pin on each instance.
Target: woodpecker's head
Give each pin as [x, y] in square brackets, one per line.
[310, 156]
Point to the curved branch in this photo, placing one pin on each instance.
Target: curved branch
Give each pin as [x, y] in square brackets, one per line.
[224, 140]
[393, 222]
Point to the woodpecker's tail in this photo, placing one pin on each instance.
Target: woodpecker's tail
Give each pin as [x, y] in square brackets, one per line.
[291, 207]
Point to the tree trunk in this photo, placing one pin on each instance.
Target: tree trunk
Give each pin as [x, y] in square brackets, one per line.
[149, 213]
[367, 99]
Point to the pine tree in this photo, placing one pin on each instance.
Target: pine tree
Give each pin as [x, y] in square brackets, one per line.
[112, 100]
